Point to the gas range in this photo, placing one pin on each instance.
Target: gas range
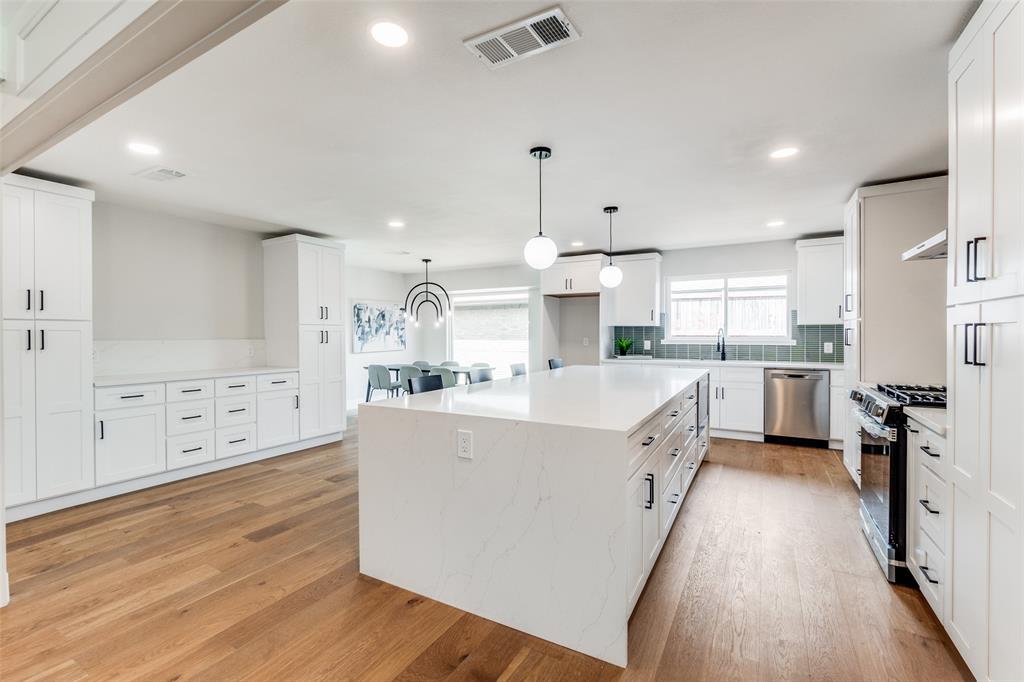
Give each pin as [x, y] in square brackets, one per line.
[915, 395]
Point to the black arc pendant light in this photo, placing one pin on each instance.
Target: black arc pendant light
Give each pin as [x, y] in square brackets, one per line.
[421, 294]
[611, 274]
[540, 252]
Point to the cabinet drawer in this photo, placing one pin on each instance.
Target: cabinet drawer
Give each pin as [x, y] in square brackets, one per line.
[189, 417]
[931, 450]
[238, 410]
[671, 416]
[235, 386]
[929, 563]
[672, 454]
[688, 428]
[236, 440]
[691, 461]
[671, 501]
[274, 382]
[192, 448]
[931, 506]
[113, 397]
[689, 398]
[189, 390]
[643, 442]
[752, 375]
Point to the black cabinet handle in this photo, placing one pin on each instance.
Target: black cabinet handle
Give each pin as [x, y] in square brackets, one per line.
[925, 450]
[321, 336]
[674, 452]
[840, 311]
[675, 499]
[691, 427]
[652, 314]
[280, 381]
[924, 503]
[191, 390]
[296, 402]
[42, 300]
[28, 337]
[28, 299]
[327, 312]
[967, 358]
[237, 440]
[674, 413]
[647, 441]
[102, 433]
[976, 277]
[42, 338]
[134, 395]
[691, 465]
[236, 385]
[240, 409]
[907, 427]
[650, 490]
[185, 452]
[327, 336]
[690, 397]
[193, 416]
[716, 392]
[967, 262]
[974, 359]
[924, 572]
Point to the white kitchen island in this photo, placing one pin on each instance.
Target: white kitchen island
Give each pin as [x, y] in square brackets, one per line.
[554, 521]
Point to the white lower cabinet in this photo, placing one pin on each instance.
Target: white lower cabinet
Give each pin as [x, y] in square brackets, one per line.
[190, 416]
[321, 380]
[737, 399]
[130, 443]
[277, 418]
[19, 444]
[192, 448]
[236, 440]
[644, 525]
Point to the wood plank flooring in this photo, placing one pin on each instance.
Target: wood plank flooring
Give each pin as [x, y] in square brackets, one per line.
[252, 573]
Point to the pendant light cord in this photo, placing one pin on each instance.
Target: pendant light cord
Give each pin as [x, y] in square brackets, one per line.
[610, 238]
[540, 195]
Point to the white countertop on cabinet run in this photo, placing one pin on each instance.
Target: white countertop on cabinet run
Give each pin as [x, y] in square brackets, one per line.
[932, 418]
[184, 375]
[600, 397]
[665, 362]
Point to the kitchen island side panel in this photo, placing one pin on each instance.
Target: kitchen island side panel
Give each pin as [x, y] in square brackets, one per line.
[529, 533]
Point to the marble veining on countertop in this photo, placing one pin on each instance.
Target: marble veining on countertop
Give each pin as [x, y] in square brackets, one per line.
[589, 396]
[184, 375]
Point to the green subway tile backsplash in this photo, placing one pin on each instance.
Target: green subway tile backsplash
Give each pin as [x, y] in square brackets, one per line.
[809, 345]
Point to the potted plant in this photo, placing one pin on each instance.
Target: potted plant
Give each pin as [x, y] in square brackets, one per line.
[623, 346]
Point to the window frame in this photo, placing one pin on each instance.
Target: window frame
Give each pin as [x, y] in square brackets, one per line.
[786, 340]
[496, 295]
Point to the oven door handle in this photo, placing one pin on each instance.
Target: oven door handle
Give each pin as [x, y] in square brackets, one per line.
[870, 426]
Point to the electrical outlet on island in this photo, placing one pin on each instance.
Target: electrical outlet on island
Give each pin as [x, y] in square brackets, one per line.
[464, 444]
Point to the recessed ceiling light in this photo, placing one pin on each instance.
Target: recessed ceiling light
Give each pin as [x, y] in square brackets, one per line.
[143, 148]
[784, 153]
[577, 243]
[396, 224]
[388, 34]
[775, 223]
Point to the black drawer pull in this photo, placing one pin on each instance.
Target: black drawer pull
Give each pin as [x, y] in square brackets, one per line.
[675, 499]
[280, 381]
[674, 413]
[185, 452]
[911, 430]
[650, 500]
[240, 409]
[194, 416]
[236, 385]
[924, 571]
[691, 427]
[191, 390]
[647, 441]
[925, 450]
[691, 465]
[674, 452]
[924, 503]
[690, 397]
[239, 440]
[133, 395]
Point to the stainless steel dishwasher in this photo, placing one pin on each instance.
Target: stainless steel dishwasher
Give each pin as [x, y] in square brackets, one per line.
[796, 405]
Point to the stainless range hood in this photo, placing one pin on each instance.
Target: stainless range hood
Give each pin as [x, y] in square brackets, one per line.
[933, 248]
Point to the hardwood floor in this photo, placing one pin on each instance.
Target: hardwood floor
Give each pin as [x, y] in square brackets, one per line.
[252, 573]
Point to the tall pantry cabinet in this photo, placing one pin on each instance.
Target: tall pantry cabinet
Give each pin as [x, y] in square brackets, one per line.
[304, 315]
[983, 565]
[47, 339]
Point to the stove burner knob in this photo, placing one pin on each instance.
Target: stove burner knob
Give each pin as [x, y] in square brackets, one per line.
[877, 410]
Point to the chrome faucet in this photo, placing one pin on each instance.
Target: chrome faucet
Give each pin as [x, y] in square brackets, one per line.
[720, 346]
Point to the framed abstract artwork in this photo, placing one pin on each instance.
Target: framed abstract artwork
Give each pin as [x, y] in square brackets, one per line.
[377, 327]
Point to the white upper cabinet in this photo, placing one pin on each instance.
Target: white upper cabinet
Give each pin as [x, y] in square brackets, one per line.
[18, 253]
[573, 276]
[636, 302]
[819, 281]
[321, 281]
[986, 161]
[851, 259]
[332, 283]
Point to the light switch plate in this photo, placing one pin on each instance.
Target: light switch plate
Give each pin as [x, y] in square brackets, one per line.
[464, 444]
[647, 344]
[828, 347]
[586, 340]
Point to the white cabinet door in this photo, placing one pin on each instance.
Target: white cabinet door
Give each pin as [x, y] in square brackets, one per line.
[311, 380]
[130, 443]
[63, 257]
[19, 376]
[18, 251]
[637, 300]
[332, 283]
[311, 309]
[584, 277]
[819, 282]
[555, 280]
[715, 403]
[851, 259]
[742, 407]
[64, 438]
[837, 412]
[332, 395]
[851, 445]
[637, 495]
[277, 418]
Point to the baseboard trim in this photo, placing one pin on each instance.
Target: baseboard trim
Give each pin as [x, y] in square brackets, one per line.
[30, 509]
[738, 435]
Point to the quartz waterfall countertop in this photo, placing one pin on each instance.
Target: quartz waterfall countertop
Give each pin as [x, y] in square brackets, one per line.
[590, 396]
[184, 375]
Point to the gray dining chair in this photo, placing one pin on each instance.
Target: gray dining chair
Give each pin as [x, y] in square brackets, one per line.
[380, 380]
[450, 363]
[555, 363]
[425, 384]
[423, 364]
[518, 369]
[478, 375]
[446, 374]
[406, 372]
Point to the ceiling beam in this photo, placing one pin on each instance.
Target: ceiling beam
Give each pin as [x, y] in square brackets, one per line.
[164, 38]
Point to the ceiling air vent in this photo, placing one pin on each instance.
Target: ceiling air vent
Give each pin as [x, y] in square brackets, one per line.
[522, 39]
[160, 174]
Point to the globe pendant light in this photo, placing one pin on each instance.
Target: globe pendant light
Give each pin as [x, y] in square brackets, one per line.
[611, 274]
[540, 252]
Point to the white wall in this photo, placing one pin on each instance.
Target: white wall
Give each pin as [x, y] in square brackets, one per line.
[157, 276]
[579, 323]
[716, 260]
[363, 285]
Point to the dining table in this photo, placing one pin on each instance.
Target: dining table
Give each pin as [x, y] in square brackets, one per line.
[396, 367]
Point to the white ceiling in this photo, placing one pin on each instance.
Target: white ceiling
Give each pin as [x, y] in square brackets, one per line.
[668, 109]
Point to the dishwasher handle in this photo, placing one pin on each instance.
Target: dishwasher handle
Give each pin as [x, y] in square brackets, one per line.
[810, 376]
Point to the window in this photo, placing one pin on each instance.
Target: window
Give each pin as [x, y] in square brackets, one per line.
[751, 308]
[491, 326]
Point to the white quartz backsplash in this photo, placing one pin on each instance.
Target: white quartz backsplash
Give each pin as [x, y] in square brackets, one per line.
[137, 357]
